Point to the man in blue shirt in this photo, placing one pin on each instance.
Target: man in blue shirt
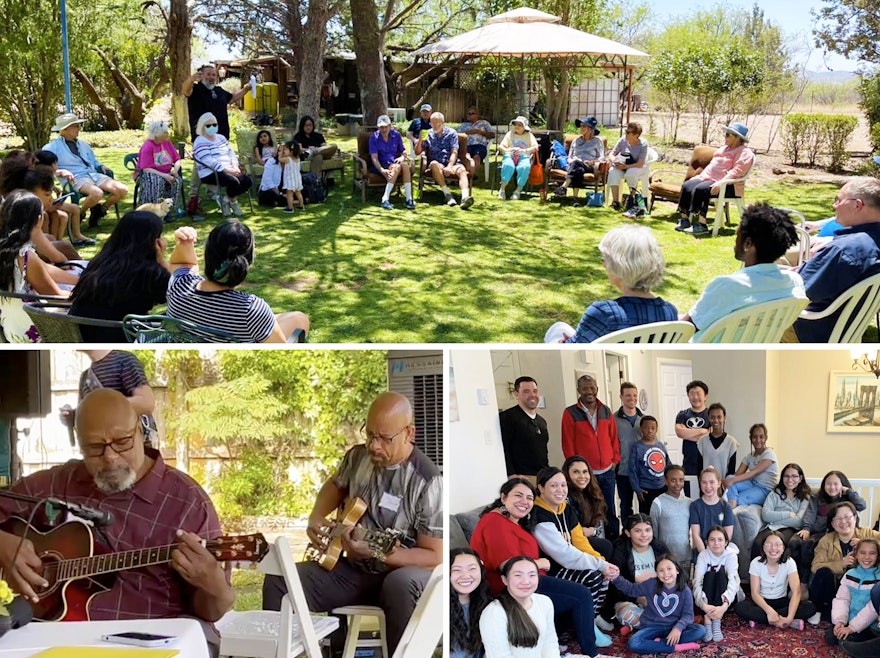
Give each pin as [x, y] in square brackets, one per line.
[442, 149]
[852, 255]
[389, 161]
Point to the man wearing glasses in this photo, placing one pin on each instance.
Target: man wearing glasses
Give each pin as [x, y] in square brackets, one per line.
[403, 491]
[151, 504]
[852, 255]
[479, 132]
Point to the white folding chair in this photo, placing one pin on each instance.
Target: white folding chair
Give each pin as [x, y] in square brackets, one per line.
[653, 332]
[856, 305]
[268, 634]
[759, 323]
[355, 615]
[425, 627]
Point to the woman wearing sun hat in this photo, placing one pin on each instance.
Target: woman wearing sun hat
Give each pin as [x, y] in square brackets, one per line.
[518, 147]
[731, 161]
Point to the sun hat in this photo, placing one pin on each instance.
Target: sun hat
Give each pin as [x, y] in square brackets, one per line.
[523, 121]
[65, 120]
[738, 129]
[383, 120]
[426, 107]
[590, 122]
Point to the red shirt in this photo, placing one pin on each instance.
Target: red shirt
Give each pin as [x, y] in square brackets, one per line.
[496, 539]
[144, 516]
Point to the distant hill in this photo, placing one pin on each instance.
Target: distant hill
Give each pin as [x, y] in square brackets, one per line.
[830, 77]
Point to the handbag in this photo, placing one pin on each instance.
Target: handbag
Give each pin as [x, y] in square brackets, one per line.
[536, 174]
[596, 200]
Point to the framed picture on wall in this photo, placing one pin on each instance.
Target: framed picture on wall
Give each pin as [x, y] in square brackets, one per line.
[853, 403]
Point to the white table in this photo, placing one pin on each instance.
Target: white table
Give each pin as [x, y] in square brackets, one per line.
[37, 636]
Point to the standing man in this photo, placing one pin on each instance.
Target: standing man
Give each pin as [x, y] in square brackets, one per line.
[524, 432]
[628, 433]
[589, 430]
[204, 94]
[403, 491]
[691, 425]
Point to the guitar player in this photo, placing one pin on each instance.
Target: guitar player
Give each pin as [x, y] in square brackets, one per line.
[151, 504]
[403, 492]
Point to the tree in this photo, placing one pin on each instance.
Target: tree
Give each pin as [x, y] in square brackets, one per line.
[850, 27]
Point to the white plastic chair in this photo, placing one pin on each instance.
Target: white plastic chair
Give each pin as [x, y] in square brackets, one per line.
[653, 332]
[803, 246]
[425, 627]
[268, 634]
[722, 202]
[652, 156]
[857, 305]
[355, 614]
[759, 323]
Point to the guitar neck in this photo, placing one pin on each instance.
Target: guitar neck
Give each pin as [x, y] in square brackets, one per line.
[84, 567]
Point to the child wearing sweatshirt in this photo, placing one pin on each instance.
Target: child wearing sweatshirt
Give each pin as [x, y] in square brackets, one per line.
[853, 616]
[647, 465]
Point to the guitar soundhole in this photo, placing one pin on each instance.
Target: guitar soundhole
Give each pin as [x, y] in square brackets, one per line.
[49, 571]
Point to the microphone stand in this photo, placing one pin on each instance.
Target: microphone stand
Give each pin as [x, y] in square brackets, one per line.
[95, 516]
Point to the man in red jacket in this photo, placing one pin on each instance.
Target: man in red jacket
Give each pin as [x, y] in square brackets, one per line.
[589, 430]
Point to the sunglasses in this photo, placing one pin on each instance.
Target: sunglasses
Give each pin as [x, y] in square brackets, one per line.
[208, 125]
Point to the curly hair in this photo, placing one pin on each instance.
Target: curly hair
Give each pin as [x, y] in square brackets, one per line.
[464, 634]
[18, 216]
[770, 230]
[589, 503]
[528, 521]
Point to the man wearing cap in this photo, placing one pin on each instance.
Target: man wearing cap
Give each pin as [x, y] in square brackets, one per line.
[479, 132]
[420, 125]
[731, 161]
[390, 161]
[442, 147]
[90, 178]
[584, 156]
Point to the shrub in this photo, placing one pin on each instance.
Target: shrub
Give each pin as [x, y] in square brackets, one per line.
[808, 135]
[836, 130]
[794, 131]
[869, 91]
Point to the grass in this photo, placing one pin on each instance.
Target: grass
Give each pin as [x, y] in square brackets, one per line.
[501, 272]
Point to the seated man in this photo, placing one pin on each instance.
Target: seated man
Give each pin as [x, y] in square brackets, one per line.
[442, 147]
[90, 177]
[584, 156]
[390, 161]
[420, 125]
[763, 235]
[151, 505]
[403, 492]
[479, 132]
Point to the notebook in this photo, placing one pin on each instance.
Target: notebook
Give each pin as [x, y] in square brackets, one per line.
[106, 652]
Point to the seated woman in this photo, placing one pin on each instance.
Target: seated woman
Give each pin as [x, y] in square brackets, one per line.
[731, 161]
[314, 143]
[588, 503]
[129, 275]
[21, 270]
[216, 163]
[634, 264]
[213, 301]
[585, 155]
[159, 164]
[627, 160]
[784, 510]
[468, 597]
[517, 148]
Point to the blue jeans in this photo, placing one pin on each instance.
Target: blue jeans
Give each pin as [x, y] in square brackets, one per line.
[748, 492]
[607, 482]
[522, 169]
[576, 599]
[644, 640]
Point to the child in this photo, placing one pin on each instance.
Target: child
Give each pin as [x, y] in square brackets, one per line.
[716, 581]
[709, 510]
[266, 155]
[718, 448]
[691, 425]
[72, 210]
[293, 184]
[647, 464]
[775, 589]
[852, 612]
[667, 624]
[468, 597]
[757, 474]
[670, 514]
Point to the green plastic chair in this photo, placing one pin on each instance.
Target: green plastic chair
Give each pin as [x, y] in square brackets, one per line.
[165, 329]
[56, 325]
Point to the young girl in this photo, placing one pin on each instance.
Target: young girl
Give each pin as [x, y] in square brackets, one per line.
[266, 155]
[709, 510]
[716, 581]
[668, 620]
[756, 475]
[468, 597]
[292, 179]
[775, 589]
[852, 612]
[519, 623]
[784, 510]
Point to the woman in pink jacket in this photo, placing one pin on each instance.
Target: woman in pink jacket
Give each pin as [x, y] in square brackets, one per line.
[731, 161]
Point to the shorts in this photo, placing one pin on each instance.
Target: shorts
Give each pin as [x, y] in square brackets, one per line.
[90, 179]
[457, 168]
[480, 150]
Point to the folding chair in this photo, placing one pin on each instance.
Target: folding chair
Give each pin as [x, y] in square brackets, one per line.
[425, 627]
[58, 326]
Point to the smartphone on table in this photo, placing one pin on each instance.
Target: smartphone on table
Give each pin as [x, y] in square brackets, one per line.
[139, 639]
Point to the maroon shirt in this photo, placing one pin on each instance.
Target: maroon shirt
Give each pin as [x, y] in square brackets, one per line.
[144, 516]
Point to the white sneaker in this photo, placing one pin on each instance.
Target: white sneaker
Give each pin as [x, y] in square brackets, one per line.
[515, 195]
[236, 209]
[450, 200]
[502, 194]
[223, 202]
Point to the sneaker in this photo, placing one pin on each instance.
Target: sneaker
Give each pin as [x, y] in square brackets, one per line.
[410, 204]
[698, 229]
[288, 210]
[96, 214]
[450, 200]
[797, 624]
[386, 205]
[683, 224]
[515, 195]
[560, 191]
[503, 195]
[604, 624]
[576, 204]
[223, 202]
[615, 205]
[235, 208]
[815, 619]
[467, 203]
[630, 214]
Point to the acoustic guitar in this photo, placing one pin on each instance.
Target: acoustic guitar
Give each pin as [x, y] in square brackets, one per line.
[77, 571]
[381, 542]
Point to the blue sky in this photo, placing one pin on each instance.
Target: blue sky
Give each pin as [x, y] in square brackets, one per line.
[793, 16]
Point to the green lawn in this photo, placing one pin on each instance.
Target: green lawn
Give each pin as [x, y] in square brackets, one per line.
[501, 272]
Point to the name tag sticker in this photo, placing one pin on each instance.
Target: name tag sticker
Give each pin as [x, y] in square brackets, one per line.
[390, 502]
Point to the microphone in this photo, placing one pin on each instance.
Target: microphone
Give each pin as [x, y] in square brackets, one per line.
[96, 516]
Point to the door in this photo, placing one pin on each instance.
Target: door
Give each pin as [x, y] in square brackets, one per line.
[673, 375]
[616, 372]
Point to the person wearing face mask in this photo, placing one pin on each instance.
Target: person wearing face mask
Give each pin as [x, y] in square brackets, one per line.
[216, 163]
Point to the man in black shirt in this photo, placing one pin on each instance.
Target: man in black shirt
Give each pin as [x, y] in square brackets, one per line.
[524, 432]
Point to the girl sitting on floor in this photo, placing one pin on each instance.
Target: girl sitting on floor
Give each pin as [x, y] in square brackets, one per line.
[468, 597]
[853, 616]
[716, 581]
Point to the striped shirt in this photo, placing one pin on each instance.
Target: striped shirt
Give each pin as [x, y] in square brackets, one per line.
[213, 155]
[247, 317]
[602, 318]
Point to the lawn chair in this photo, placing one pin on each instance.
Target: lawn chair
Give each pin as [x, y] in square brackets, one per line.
[554, 175]
[362, 177]
[653, 332]
[130, 162]
[13, 303]
[215, 186]
[759, 323]
[856, 307]
[56, 325]
[802, 254]
[425, 176]
[425, 628]
[165, 329]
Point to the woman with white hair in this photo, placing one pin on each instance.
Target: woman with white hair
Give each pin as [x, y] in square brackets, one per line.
[217, 164]
[159, 169]
[634, 264]
[518, 147]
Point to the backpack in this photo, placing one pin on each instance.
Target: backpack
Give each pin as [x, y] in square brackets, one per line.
[636, 206]
[561, 156]
[314, 190]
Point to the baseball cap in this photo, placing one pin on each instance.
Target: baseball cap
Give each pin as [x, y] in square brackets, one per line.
[426, 108]
[383, 120]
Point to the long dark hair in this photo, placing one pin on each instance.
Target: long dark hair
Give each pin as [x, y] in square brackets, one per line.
[822, 496]
[18, 216]
[590, 501]
[301, 133]
[125, 263]
[680, 580]
[521, 630]
[229, 252]
[528, 521]
[258, 146]
[801, 492]
[464, 634]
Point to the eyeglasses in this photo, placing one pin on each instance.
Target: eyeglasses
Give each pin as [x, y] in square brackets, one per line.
[791, 476]
[841, 200]
[848, 517]
[369, 437]
[117, 445]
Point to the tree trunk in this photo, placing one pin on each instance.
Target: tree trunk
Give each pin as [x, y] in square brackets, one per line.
[368, 44]
[107, 110]
[311, 71]
[131, 99]
[179, 39]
